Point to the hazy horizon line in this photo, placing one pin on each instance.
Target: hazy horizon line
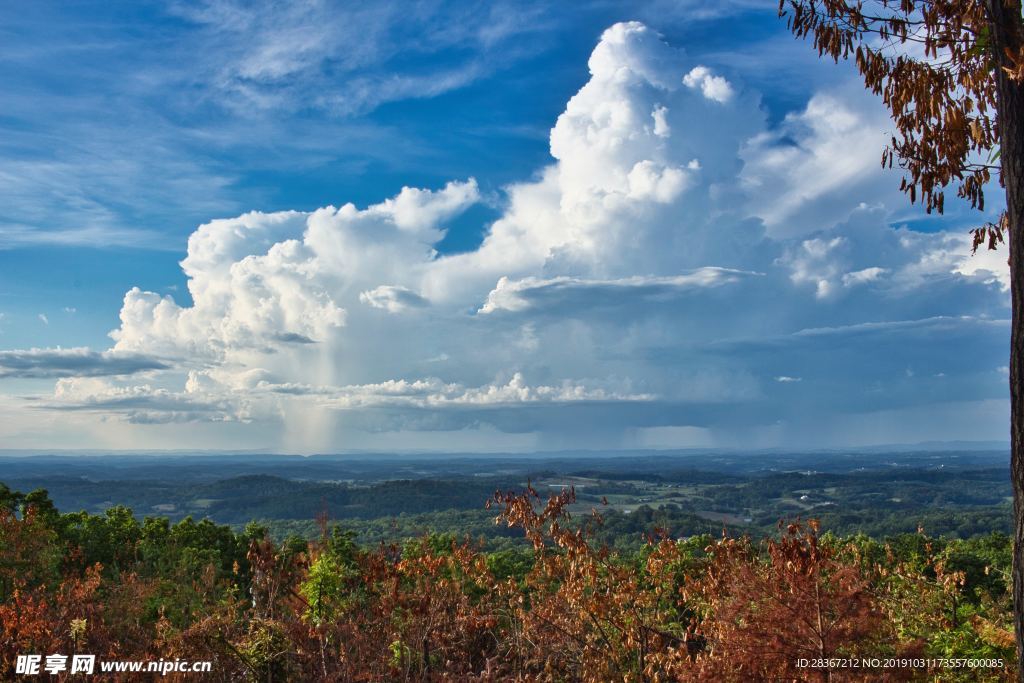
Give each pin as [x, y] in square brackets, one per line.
[938, 446]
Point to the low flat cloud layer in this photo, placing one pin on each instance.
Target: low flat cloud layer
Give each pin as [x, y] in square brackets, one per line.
[78, 362]
[681, 266]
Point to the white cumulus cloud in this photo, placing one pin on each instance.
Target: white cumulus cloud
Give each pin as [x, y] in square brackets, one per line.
[713, 87]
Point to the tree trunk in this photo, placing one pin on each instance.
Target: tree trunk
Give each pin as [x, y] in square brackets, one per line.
[1007, 31]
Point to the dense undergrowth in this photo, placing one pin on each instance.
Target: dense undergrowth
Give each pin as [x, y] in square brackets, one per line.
[562, 608]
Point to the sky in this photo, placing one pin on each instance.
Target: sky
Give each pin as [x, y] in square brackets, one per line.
[507, 226]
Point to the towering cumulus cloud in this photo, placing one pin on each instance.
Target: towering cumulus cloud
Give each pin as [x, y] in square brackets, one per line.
[683, 272]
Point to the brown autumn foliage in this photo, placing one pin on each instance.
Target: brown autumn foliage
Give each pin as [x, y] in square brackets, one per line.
[762, 617]
[932, 63]
[434, 610]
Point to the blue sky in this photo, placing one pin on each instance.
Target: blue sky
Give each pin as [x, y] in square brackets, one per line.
[685, 242]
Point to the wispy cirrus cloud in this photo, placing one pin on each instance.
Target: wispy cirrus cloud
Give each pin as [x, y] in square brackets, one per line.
[345, 57]
[208, 93]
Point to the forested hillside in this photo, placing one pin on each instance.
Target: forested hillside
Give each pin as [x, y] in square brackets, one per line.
[391, 498]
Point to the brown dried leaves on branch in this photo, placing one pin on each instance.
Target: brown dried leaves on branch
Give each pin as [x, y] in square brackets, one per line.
[582, 615]
[933, 65]
[761, 615]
